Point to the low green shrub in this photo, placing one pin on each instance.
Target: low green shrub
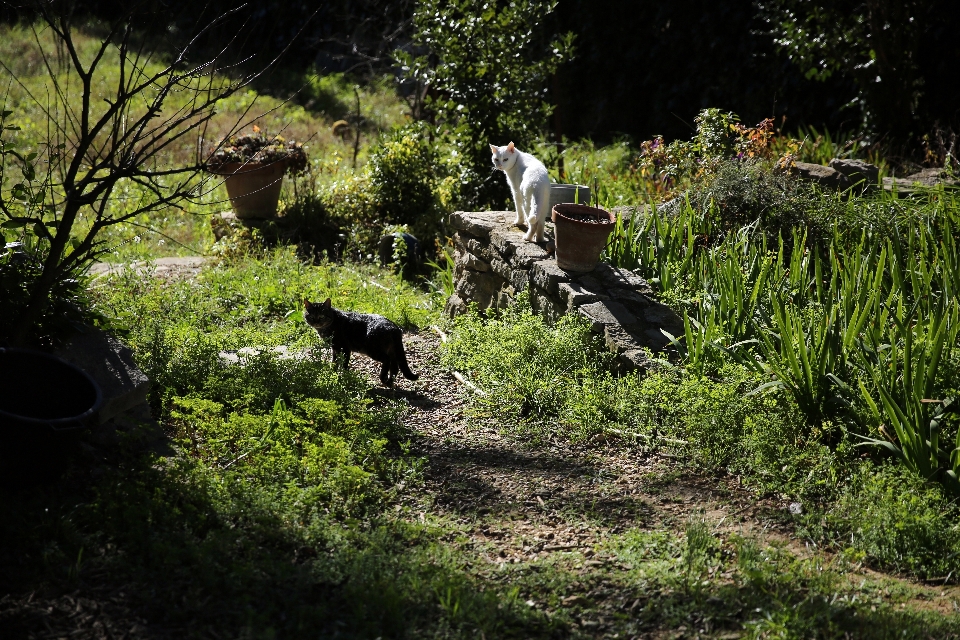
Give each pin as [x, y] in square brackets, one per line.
[407, 181]
[737, 193]
[895, 520]
[67, 305]
[533, 375]
[557, 381]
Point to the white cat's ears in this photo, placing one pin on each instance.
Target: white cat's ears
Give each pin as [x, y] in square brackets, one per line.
[510, 148]
[494, 149]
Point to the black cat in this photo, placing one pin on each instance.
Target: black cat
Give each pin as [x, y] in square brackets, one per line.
[366, 333]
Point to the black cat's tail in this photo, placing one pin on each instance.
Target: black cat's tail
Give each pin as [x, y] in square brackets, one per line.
[402, 361]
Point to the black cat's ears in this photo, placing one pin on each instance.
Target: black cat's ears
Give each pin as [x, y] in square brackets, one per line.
[307, 304]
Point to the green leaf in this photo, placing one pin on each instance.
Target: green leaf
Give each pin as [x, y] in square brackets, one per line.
[41, 231]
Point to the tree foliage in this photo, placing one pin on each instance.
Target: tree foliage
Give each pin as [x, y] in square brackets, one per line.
[882, 45]
[480, 70]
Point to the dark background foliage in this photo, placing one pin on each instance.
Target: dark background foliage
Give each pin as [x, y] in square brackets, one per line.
[645, 67]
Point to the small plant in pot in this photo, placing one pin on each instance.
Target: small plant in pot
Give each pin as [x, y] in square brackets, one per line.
[254, 165]
[581, 233]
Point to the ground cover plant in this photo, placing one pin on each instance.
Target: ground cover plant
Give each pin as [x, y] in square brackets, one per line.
[292, 498]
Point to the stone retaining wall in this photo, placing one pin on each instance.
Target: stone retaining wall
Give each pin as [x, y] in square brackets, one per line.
[493, 264]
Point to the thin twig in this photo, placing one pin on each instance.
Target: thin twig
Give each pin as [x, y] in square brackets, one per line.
[634, 434]
[468, 384]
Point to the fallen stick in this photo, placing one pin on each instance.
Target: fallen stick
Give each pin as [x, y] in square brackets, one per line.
[456, 374]
[562, 547]
[468, 384]
[620, 432]
[377, 284]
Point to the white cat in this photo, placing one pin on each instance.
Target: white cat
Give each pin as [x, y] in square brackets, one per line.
[530, 184]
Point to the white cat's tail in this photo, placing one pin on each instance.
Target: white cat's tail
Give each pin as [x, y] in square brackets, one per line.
[541, 207]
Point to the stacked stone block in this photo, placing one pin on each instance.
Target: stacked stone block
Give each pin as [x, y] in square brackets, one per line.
[493, 263]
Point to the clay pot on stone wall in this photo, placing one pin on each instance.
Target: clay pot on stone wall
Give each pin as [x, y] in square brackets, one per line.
[581, 233]
[253, 188]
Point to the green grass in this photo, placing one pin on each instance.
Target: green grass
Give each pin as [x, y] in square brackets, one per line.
[272, 518]
[542, 382]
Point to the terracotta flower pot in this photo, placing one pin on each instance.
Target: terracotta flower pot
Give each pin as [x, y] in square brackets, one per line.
[254, 188]
[581, 233]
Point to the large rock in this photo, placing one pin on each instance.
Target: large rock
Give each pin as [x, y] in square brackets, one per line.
[548, 276]
[110, 362]
[455, 306]
[931, 177]
[925, 179]
[861, 174]
[478, 223]
[606, 312]
[825, 176]
[479, 287]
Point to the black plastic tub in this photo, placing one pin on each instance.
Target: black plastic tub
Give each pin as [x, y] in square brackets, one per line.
[45, 404]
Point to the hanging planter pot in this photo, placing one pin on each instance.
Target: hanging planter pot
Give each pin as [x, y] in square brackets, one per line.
[581, 233]
[253, 187]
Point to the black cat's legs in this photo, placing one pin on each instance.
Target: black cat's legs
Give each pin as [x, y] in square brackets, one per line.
[385, 378]
[341, 357]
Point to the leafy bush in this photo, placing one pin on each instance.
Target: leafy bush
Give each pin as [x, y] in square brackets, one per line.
[406, 171]
[534, 375]
[897, 520]
[20, 267]
[406, 182]
[719, 137]
[737, 193]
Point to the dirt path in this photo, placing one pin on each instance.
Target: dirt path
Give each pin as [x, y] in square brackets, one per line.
[572, 496]
[514, 504]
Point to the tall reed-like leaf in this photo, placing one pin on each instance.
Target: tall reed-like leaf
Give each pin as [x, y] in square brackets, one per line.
[902, 373]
